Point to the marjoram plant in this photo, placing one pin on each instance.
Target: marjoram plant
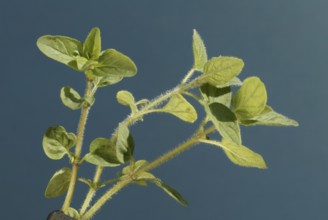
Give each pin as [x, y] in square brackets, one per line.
[209, 82]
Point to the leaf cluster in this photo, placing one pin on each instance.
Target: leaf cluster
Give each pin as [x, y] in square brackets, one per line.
[225, 111]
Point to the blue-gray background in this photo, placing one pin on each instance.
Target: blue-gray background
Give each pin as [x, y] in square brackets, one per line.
[284, 42]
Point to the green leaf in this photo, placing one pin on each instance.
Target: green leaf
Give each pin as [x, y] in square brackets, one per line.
[181, 108]
[271, 118]
[224, 121]
[58, 183]
[233, 82]
[199, 50]
[57, 142]
[107, 81]
[113, 63]
[92, 44]
[172, 192]
[124, 144]
[220, 70]
[221, 112]
[240, 154]
[126, 98]
[102, 153]
[250, 100]
[135, 167]
[146, 176]
[71, 98]
[213, 94]
[60, 48]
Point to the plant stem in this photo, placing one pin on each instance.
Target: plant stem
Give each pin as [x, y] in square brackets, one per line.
[78, 148]
[131, 119]
[188, 75]
[92, 190]
[104, 198]
[169, 155]
[160, 99]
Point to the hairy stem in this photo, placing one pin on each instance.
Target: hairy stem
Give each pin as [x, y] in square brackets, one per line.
[92, 190]
[78, 148]
[187, 77]
[169, 155]
[160, 99]
[109, 194]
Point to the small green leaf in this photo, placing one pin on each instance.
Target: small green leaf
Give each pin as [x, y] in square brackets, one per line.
[224, 121]
[139, 164]
[146, 176]
[172, 192]
[107, 81]
[271, 118]
[199, 50]
[71, 98]
[56, 142]
[92, 44]
[242, 155]
[122, 142]
[181, 108]
[126, 98]
[102, 153]
[58, 183]
[81, 63]
[113, 63]
[239, 154]
[133, 168]
[220, 70]
[250, 100]
[60, 48]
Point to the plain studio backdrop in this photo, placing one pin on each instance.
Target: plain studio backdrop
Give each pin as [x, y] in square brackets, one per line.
[284, 42]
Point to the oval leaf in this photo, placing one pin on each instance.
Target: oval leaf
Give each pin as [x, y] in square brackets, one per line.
[71, 98]
[181, 108]
[92, 44]
[114, 63]
[250, 100]
[126, 98]
[239, 154]
[199, 50]
[58, 183]
[220, 70]
[102, 153]
[56, 142]
[271, 118]
[60, 48]
[224, 121]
